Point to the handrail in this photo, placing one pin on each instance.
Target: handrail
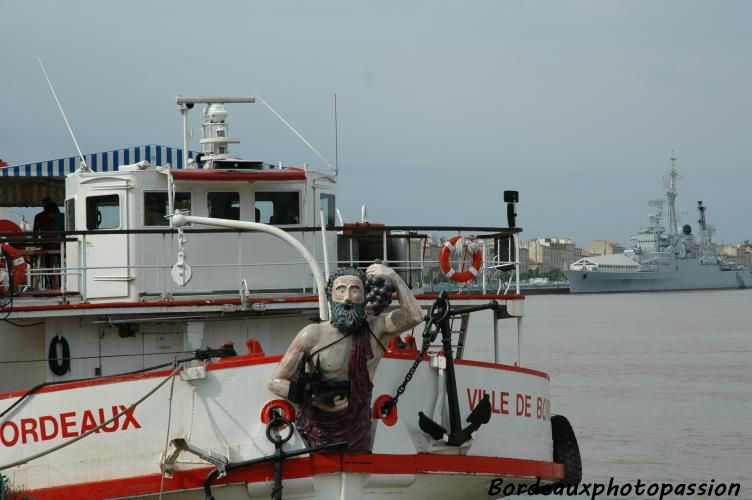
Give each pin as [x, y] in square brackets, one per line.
[495, 231]
[420, 266]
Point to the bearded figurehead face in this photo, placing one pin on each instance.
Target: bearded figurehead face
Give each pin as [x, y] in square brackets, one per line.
[347, 299]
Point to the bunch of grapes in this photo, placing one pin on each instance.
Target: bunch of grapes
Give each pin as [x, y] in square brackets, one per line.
[379, 294]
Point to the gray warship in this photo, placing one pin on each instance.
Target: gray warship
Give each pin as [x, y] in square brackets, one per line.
[661, 259]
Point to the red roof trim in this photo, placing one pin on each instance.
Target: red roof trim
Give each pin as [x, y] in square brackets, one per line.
[307, 467]
[288, 174]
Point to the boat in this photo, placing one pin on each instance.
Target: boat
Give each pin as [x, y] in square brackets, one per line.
[661, 259]
[136, 365]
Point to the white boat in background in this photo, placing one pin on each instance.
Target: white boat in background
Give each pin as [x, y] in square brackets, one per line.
[122, 364]
[661, 259]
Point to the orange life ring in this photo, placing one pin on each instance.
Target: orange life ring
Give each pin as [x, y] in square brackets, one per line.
[446, 267]
[15, 264]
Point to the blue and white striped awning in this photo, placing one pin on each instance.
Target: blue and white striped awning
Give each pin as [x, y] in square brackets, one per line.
[108, 161]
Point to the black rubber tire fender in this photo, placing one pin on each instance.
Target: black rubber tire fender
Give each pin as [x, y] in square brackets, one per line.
[59, 366]
[566, 450]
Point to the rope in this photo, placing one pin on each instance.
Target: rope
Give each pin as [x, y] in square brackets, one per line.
[75, 439]
[34, 389]
[464, 256]
[23, 326]
[167, 437]
[94, 357]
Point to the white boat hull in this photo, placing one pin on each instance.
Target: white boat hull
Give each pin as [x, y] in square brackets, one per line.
[221, 413]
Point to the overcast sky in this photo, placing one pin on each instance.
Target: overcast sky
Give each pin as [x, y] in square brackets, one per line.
[442, 106]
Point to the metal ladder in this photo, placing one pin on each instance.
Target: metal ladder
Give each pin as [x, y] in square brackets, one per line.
[461, 332]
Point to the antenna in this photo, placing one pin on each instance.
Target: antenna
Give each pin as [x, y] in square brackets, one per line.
[336, 141]
[671, 195]
[60, 107]
[295, 131]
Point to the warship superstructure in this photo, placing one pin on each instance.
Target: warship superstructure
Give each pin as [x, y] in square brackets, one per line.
[660, 258]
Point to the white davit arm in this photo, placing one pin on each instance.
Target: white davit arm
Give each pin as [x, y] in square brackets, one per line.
[179, 220]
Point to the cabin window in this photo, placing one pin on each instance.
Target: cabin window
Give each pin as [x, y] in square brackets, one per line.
[70, 214]
[224, 205]
[156, 206]
[103, 212]
[278, 208]
[327, 205]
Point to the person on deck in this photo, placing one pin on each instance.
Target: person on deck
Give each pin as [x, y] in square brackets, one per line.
[49, 219]
[44, 220]
[348, 347]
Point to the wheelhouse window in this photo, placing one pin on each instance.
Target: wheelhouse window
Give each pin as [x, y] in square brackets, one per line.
[327, 205]
[224, 205]
[277, 208]
[70, 214]
[156, 206]
[103, 212]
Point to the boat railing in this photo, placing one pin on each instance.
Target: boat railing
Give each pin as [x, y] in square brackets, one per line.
[58, 263]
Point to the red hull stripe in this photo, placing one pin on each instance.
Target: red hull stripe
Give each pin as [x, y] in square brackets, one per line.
[307, 467]
[221, 302]
[249, 360]
[290, 174]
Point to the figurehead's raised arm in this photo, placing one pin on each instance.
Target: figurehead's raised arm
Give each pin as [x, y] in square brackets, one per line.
[407, 316]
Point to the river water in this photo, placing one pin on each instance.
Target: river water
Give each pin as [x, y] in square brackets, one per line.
[657, 386]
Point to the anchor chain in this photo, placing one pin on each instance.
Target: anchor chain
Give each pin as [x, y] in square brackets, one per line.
[401, 389]
[439, 312]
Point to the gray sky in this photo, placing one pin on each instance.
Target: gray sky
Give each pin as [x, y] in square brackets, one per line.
[441, 106]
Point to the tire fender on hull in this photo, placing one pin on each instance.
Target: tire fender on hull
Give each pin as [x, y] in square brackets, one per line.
[566, 450]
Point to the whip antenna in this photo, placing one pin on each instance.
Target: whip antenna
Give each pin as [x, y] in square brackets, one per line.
[60, 107]
[295, 131]
[336, 139]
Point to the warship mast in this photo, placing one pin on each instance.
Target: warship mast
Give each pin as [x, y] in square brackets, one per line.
[671, 195]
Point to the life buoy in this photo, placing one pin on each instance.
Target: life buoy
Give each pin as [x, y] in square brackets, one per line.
[15, 268]
[453, 245]
[59, 366]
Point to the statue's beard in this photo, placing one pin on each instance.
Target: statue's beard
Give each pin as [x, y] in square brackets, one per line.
[348, 318]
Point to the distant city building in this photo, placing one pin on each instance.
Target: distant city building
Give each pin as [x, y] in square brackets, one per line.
[524, 259]
[546, 254]
[728, 250]
[430, 248]
[738, 254]
[602, 247]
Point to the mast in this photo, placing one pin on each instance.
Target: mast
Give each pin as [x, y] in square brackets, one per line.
[671, 195]
[706, 231]
[703, 229]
